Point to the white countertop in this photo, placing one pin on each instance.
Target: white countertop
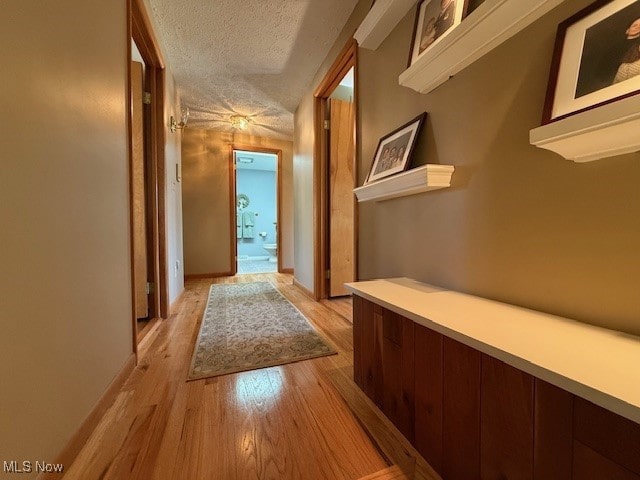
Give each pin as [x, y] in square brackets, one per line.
[600, 365]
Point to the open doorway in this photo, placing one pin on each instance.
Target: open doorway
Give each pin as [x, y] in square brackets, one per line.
[335, 177]
[146, 131]
[141, 229]
[256, 210]
[340, 181]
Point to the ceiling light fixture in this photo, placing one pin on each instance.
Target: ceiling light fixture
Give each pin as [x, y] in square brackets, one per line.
[240, 122]
[184, 118]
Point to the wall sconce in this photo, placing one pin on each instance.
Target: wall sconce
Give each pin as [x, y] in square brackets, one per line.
[240, 122]
[184, 118]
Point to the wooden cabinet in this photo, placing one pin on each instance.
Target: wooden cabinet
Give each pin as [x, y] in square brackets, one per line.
[607, 434]
[506, 420]
[461, 411]
[590, 465]
[383, 361]
[376, 390]
[447, 404]
[472, 416]
[358, 320]
[552, 432]
[428, 356]
[364, 346]
[397, 371]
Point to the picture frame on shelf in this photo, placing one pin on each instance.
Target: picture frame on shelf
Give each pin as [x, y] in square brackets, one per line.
[596, 59]
[471, 6]
[435, 19]
[395, 149]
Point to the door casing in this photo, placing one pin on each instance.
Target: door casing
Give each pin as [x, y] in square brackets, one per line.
[347, 59]
[140, 229]
[233, 252]
[140, 31]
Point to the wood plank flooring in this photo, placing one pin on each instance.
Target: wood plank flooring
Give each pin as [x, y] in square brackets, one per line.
[285, 422]
[341, 305]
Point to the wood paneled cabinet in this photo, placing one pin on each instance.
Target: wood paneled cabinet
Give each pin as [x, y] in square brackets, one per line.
[383, 368]
[472, 416]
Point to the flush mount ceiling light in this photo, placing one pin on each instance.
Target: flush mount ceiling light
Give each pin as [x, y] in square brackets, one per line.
[240, 122]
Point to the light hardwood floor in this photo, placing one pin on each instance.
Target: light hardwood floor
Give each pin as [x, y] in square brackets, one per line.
[294, 421]
[341, 305]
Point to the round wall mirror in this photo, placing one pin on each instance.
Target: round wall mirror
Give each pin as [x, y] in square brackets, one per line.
[242, 201]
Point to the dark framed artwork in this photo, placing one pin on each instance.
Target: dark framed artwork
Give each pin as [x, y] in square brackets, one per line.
[395, 149]
[472, 5]
[596, 59]
[435, 19]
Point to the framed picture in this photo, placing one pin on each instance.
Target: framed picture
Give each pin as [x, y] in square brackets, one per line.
[472, 5]
[435, 19]
[596, 59]
[395, 149]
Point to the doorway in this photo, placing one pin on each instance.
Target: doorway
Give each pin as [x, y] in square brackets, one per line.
[336, 215]
[146, 132]
[255, 213]
[140, 188]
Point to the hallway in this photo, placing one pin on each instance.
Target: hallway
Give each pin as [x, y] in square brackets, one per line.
[484, 204]
[286, 422]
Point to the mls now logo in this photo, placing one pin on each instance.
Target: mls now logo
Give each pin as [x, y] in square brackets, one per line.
[28, 467]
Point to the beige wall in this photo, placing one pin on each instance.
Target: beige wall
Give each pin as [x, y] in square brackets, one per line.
[303, 195]
[173, 157]
[205, 156]
[520, 224]
[303, 157]
[65, 307]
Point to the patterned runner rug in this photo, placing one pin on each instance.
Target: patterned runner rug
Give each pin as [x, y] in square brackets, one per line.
[247, 326]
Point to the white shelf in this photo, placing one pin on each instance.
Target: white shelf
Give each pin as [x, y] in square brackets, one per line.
[484, 29]
[612, 129]
[380, 21]
[416, 180]
[594, 363]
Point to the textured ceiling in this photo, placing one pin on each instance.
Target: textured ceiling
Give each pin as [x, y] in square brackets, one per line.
[248, 57]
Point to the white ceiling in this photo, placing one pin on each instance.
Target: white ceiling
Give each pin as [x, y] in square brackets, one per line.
[248, 57]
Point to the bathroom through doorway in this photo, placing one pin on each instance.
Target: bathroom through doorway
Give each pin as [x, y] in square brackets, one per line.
[257, 205]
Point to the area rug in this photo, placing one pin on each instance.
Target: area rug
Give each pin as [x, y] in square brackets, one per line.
[247, 326]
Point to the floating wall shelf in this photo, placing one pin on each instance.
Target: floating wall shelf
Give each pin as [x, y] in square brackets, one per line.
[484, 29]
[380, 21]
[416, 180]
[612, 129]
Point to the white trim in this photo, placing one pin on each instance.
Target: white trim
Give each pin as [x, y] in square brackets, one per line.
[612, 129]
[417, 180]
[492, 23]
[380, 22]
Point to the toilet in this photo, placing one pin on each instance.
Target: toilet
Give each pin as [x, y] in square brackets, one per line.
[272, 248]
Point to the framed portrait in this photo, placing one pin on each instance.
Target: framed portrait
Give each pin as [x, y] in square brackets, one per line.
[395, 149]
[435, 19]
[596, 59]
[472, 5]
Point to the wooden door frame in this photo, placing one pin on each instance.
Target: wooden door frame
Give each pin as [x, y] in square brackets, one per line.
[139, 30]
[232, 202]
[346, 60]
